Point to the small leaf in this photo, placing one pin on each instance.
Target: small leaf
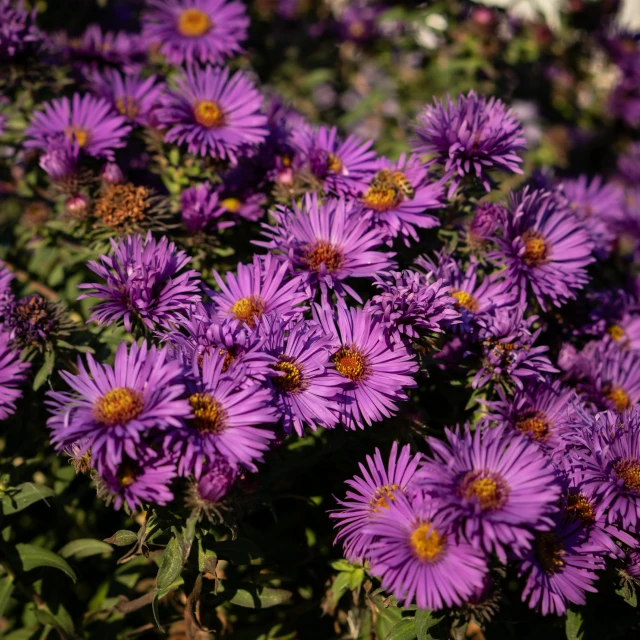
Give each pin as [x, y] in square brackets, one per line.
[122, 538]
[45, 370]
[425, 620]
[386, 619]
[342, 565]
[33, 557]
[356, 579]
[84, 548]
[156, 613]
[20, 497]
[59, 619]
[628, 593]
[573, 625]
[404, 629]
[340, 585]
[171, 566]
[6, 589]
[256, 597]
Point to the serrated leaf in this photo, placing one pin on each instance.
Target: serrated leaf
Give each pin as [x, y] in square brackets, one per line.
[84, 548]
[6, 589]
[254, 596]
[404, 629]
[122, 538]
[424, 621]
[33, 557]
[171, 566]
[573, 625]
[23, 496]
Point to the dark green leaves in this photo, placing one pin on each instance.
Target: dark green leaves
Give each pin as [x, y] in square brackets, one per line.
[122, 538]
[171, 566]
[24, 495]
[84, 548]
[33, 557]
[573, 625]
[253, 596]
[424, 621]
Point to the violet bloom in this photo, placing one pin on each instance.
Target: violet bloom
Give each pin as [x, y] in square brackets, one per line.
[205, 31]
[496, 485]
[201, 210]
[60, 160]
[544, 247]
[489, 216]
[143, 480]
[411, 304]
[217, 480]
[87, 121]
[327, 243]
[32, 321]
[131, 95]
[341, 167]
[632, 566]
[214, 113]
[304, 394]
[372, 371]
[18, 31]
[399, 196]
[123, 50]
[471, 138]
[144, 280]
[259, 289]
[372, 491]
[419, 558]
[110, 409]
[12, 374]
[226, 413]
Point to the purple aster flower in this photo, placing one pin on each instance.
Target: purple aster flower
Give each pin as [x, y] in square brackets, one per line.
[508, 351]
[629, 164]
[489, 216]
[418, 556]
[142, 281]
[217, 480]
[597, 204]
[632, 566]
[327, 243]
[196, 30]
[12, 374]
[110, 409]
[399, 196]
[245, 206]
[87, 121]
[372, 371]
[259, 289]
[201, 210]
[32, 321]
[111, 173]
[132, 96]
[372, 491]
[471, 137]
[494, 484]
[124, 50]
[411, 304]
[3, 124]
[18, 31]
[226, 411]
[60, 160]
[144, 479]
[559, 569]
[544, 247]
[341, 167]
[304, 393]
[214, 113]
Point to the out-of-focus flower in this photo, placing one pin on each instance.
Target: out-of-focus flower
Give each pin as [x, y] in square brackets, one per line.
[111, 173]
[489, 216]
[18, 31]
[12, 375]
[123, 50]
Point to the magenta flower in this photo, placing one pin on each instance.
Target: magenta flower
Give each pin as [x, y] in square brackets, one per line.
[12, 374]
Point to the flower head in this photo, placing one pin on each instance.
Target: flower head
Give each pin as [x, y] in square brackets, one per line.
[18, 30]
[12, 374]
[201, 209]
[123, 50]
[33, 320]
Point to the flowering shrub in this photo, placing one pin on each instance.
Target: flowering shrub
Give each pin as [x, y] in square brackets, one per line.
[319, 319]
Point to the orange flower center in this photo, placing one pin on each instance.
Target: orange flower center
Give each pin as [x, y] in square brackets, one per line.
[350, 363]
[193, 23]
[536, 248]
[618, 397]
[127, 473]
[535, 424]
[334, 163]
[488, 489]
[208, 113]
[616, 332]
[427, 543]
[628, 470]
[208, 414]
[78, 134]
[118, 406]
[291, 380]
[465, 300]
[579, 508]
[248, 309]
[382, 496]
[232, 205]
[128, 106]
[314, 256]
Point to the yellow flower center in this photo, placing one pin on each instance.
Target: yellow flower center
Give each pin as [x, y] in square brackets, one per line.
[118, 406]
[208, 113]
[536, 248]
[382, 496]
[549, 552]
[350, 363]
[314, 256]
[193, 23]
[629, 471]
[78, 134]
[208, 414]
[128, 106]
[292, 378]
[465, 300]
[616, 332]
[248, 309]
[127, 473]
[618, 397]
[579, 508]
[488, 489]
[334, 163]
[381, 198]
[232, 205]
[535, 424]
[427, 543]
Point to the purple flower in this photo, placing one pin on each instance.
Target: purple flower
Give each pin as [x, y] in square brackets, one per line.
[12, 374]
[217, 480]
[471, 137]
[544, 247]
[226, 411]
[259, 289]
[132, 96]
[376, 487]
[214, 113]
[411, 304]
[201, 210]
[32, 320]
[142, 281]
[399, 196]
[124, 50]
[341, 167]
[111, 409]
[60, 160]
[87, 121]
[327, 243]
[18, 31]
[111, 173]
[632, 566]
[489, 216]
[372, 372]
[624, 101]
[629, 164]
[494, 484]
[6, 296]
[196, 30]
[418, 556]
[304, 393]
[143, 479]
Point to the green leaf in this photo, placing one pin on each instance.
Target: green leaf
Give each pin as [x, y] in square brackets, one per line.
[628, 593]
[356, 579]
[156, 613]
[255, 596]
[171, 566]
[386, 619]
[240, 551]
[122, 538]
[425, 620]
[60, 619]
[45, 370]
[340, 585]
[33, 557]
[20, 497]
[573, 625]
[84, 548]
[6, 589]
[404, 629]
[342, 565]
